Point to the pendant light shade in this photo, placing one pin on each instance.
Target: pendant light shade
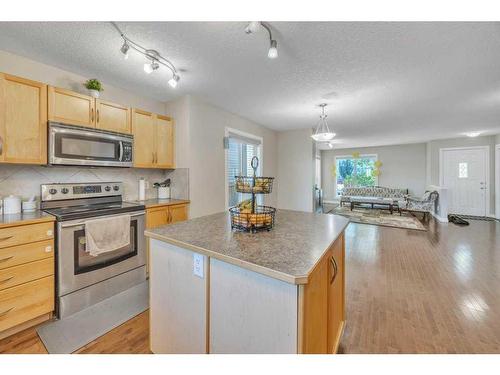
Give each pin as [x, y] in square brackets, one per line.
[322, 132]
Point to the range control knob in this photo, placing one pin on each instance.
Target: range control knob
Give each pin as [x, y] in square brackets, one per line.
[116, 188]
[53, 191]
[64, 190]
[107, 188]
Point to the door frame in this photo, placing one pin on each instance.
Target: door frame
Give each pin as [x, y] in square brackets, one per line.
[497, 181]
[227, 131]
[487, 169]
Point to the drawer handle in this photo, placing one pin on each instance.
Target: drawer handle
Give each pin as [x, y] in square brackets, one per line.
[6, 259]
[5, 280]
[6, 238]
[335, 269]
[6, 312]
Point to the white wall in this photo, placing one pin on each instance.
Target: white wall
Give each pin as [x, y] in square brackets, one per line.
[295, 170]
[403, 166]
[433, 159]
[200, 130]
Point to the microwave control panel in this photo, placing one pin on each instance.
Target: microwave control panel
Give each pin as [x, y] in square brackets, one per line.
[127, 151]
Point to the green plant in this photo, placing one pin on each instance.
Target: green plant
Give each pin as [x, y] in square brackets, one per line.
[93, 84]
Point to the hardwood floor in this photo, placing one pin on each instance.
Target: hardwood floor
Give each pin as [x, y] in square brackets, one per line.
[407, 292]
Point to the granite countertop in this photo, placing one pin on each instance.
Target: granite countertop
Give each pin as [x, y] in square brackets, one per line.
[288, 252]
[11, 220]
[155, 202]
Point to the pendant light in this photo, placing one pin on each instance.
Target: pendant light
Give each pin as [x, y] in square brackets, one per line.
[323, 133]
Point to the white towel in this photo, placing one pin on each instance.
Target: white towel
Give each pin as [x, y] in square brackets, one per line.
[107, 234]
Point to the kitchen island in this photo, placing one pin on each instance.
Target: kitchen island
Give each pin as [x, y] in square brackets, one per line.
[214, 290]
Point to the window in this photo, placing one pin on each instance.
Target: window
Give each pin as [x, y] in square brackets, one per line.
[240, 151]
[355, 172]
[462, 170]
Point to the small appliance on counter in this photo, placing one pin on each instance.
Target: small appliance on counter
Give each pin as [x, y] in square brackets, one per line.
[29, 205]
[163, 189]
[11, 205]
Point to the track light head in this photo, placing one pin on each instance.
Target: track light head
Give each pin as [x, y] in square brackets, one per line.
[273, 50]
[174, 80]
[150, 67]
[124, 49]
[252, 27]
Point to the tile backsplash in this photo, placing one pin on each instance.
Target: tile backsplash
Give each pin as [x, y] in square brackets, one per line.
[25, 181]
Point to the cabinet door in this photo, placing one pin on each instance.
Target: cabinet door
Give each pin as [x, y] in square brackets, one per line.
[165, 142]
[156, 217]
[23, 120]
[144, 130]
[114, 117]
[70, 107]
[178, 213]
[335, 294]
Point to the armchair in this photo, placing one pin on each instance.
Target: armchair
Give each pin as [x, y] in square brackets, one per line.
[425, 205]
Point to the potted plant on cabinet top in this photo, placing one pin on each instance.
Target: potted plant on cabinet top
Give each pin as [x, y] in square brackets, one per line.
[94, 87]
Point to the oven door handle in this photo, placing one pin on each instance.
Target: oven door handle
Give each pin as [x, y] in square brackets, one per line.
[121, 151]
[83, 223]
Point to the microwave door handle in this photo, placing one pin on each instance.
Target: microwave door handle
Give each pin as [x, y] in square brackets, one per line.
[121, 151]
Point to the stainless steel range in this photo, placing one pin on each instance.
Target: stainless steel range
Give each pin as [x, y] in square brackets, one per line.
[83, 279]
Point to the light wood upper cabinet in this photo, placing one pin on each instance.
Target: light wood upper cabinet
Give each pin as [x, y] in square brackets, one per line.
[23, 120]
[70, 107]
[153, 140]
[113, 117]
[144, 130]
[165, 142]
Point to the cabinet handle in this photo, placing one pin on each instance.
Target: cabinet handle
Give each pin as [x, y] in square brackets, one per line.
[1, 145]
[335, 269]
[6, 238]
[6, 259]
[92, 115]
[7, 279]
[6, 312]
[97, 116]
[153, 157]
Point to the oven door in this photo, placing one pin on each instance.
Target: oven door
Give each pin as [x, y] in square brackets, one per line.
[69, 145]
[77, 269]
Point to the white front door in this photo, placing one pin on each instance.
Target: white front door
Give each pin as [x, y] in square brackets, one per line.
[464, 173]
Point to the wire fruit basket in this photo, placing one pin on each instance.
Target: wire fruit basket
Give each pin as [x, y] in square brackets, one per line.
[247, 215]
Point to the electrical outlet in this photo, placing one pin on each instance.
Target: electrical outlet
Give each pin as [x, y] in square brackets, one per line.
[198, 265]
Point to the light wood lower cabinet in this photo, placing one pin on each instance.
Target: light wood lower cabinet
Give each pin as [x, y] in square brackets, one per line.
[26, 276]
[23, 120]
[70, 107]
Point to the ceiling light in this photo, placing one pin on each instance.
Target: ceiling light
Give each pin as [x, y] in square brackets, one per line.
[252, 27]
[472, 134]
[173, 81]
[273, 50]
[124, 49]
[150, 67]
[154, 58]
[323, 133]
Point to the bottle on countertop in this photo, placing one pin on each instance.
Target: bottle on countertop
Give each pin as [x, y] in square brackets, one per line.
[142, 189]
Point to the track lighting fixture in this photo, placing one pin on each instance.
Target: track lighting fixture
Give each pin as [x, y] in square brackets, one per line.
[254, 26]
[330, 145]
[155, 59]
[323, 133]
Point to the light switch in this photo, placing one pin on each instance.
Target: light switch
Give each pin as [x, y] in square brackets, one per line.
[198, 265]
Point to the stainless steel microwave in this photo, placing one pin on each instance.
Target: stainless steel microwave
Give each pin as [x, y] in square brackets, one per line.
[76, 145]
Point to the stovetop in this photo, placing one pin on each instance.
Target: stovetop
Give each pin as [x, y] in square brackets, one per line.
[93, 210]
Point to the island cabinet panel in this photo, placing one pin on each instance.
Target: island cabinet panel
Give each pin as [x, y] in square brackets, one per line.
[250, 312]
[178, 301]
[23, 120]
[70, 107]
[322, 303]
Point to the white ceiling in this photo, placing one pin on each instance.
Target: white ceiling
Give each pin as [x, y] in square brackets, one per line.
[385, 83]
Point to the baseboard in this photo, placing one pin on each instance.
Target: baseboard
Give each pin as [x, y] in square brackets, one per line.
[439, 218]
